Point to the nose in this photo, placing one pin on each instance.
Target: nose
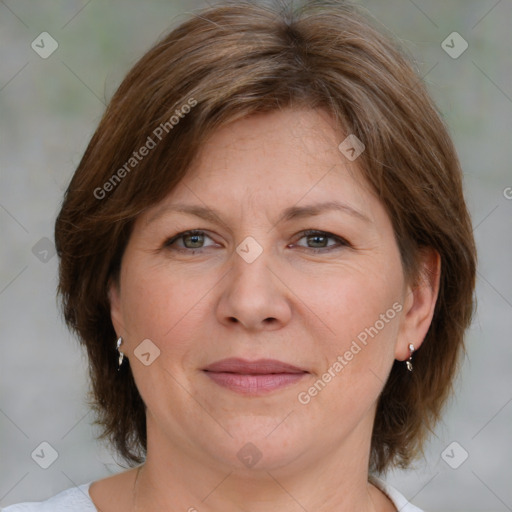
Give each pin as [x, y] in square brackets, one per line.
[253, 296]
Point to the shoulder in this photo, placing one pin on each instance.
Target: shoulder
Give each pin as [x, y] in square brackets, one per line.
[75, 499]
[396, 497]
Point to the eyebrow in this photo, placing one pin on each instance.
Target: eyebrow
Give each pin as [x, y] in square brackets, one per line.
[291, 213]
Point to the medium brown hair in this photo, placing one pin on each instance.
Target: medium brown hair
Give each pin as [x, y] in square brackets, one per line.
[238, 59]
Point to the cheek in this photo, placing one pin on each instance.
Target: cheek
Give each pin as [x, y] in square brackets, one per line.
[364, 310]
[357, 312]
[349, 300]
[144, 301]
[356, 359]
[162, 303]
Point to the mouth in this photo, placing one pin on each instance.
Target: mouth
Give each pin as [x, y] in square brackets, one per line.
[254, 377]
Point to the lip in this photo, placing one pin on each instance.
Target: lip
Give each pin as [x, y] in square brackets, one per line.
[258, 367]
[254, 377]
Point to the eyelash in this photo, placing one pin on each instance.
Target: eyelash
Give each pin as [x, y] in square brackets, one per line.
[309, 232]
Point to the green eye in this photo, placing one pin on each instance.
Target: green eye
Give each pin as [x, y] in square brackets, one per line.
[194, 240]
[191, 240]
[320, 239]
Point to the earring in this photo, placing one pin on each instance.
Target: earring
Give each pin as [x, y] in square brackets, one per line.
[408, 363]
[121, 355]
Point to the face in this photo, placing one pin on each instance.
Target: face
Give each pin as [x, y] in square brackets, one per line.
[268, 274]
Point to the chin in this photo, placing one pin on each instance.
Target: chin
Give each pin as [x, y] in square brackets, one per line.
[260, 444]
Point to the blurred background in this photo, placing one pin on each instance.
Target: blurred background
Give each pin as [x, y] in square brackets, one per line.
[61, 61]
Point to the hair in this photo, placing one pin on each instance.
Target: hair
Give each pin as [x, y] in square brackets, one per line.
[229, 62]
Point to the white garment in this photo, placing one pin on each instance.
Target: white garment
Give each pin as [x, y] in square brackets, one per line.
[76, 499]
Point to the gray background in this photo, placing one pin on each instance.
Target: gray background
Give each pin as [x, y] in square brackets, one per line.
[49, 110]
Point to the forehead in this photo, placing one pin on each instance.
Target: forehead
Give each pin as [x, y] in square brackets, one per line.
[278, 144]
[287, 156]
[271, 168]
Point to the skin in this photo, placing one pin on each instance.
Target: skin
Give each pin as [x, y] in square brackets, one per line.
[292, 304]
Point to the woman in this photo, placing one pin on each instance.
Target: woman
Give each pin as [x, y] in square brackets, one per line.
[267, 255]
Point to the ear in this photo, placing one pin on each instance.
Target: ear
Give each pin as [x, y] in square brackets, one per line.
[419, 303]
[114, 296]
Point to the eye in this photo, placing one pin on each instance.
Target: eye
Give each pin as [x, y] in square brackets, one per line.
[319, 240]
[193, 239]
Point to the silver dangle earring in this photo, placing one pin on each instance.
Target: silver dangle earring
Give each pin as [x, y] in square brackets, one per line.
[121, 355]
[408, 363]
